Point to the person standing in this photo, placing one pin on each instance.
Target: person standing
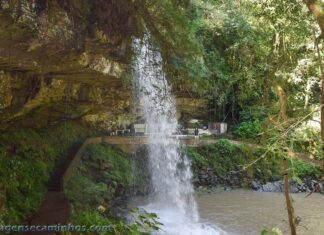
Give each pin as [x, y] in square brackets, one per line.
[196, 133]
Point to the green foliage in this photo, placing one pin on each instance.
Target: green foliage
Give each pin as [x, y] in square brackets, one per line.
[274, 231]
[62, 137]
[304, 170]
[23, 180]
[27, 158]
[197, 159]
[170, 26]
[248, 129]
[143, 224]
[85, 193]
[237, 52]
[225, 157]
[92, 185]
[254, 113]
[225, 148]
[91, 217]
[119, 167]
[306, 139]
[268, 168]
[24, 173]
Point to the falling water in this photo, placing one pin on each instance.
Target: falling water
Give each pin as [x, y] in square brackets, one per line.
[172, 196]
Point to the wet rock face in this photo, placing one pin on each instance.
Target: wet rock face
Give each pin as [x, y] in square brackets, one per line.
[64, 60]
[308, 185]
[208, 177]
[278, 186]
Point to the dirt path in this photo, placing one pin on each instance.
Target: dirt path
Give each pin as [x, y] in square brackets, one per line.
[54, 210]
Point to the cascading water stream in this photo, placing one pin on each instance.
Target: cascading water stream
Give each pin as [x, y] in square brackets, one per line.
[172, 196]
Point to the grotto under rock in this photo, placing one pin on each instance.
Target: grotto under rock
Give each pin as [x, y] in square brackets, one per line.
[69, 60]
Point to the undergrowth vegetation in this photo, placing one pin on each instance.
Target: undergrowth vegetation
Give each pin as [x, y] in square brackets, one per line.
[248, 129]
[104, 175]
[27, 159]
[142, 224]
[247, 161]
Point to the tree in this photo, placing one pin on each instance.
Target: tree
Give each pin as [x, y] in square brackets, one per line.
[317, 10]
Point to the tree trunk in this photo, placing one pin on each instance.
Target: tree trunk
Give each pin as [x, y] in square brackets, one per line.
[283, 102]
[290, 208]
[322, 122]
[233, 107]
[307, 92]
[265, 97]
[316, 9]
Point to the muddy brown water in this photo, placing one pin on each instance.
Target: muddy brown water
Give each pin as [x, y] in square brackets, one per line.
[245, 212]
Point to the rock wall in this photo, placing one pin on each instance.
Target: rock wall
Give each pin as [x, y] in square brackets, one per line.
[64, 60]
[70, 60]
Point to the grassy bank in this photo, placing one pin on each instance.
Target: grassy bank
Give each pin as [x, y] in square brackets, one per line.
[246, 163]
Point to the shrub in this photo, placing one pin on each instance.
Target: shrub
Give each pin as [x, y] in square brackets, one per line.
[222, 157]
[254, 113]
[85, 193]
[304, 170]
[61, 138]
[92, 187]
[24, 173]
[142, 224]
[307, 139]
[197, 159]
[23, 179]
[224, 147]
[249, 129]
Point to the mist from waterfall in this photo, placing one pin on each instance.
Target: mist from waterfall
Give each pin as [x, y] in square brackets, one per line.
[172, 196]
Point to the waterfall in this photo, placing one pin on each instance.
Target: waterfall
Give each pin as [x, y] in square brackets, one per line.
[172, 196]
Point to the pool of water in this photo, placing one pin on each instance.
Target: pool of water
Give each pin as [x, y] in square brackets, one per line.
[245, 212]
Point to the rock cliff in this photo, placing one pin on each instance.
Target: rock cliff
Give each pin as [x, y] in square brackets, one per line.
[67, 60]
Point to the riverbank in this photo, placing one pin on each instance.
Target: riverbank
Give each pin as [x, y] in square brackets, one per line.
[227, 165]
